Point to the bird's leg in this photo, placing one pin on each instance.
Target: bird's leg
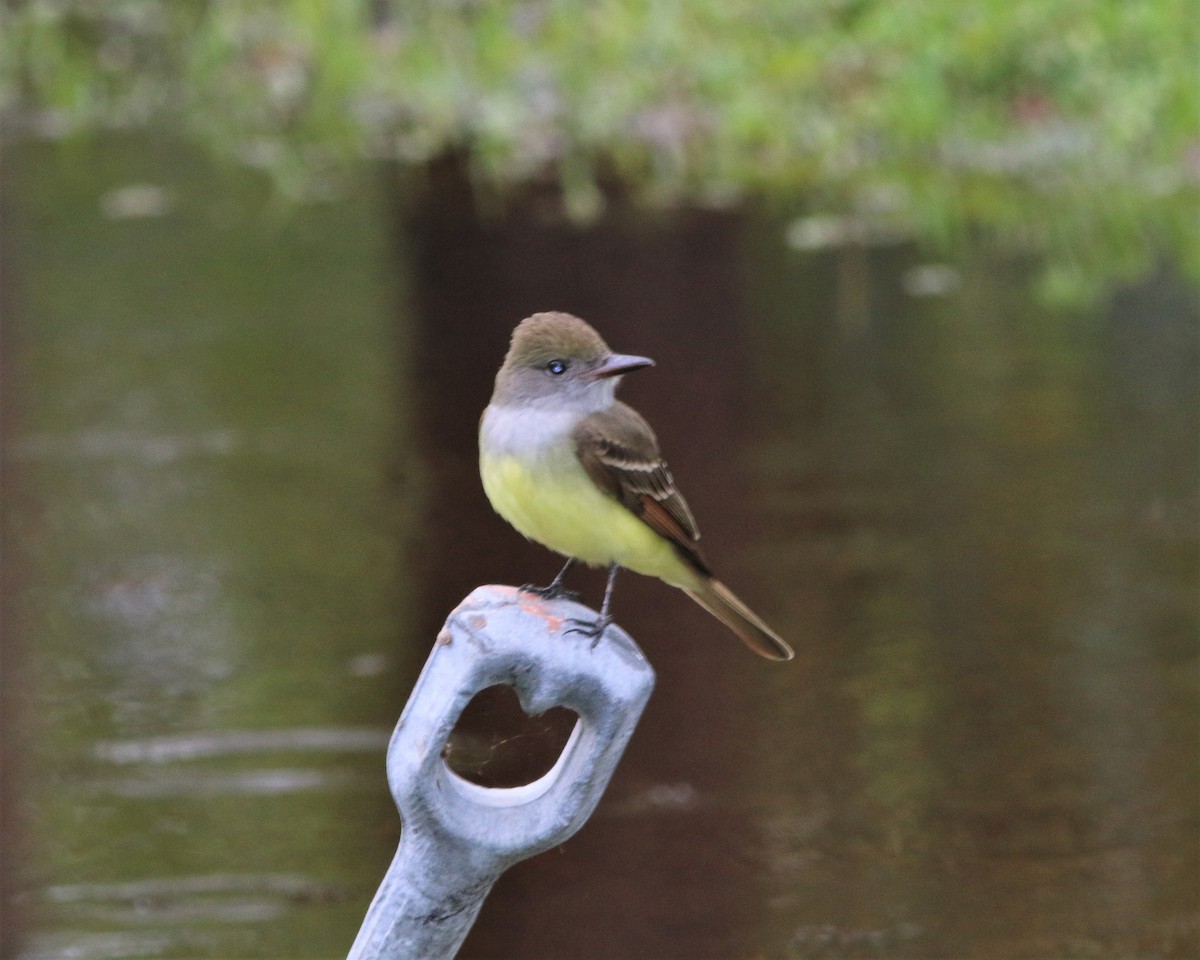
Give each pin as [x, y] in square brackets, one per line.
[595, 628]
[555, 588]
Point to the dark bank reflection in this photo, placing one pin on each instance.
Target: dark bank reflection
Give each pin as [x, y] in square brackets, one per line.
[648, 283]
[242, 492]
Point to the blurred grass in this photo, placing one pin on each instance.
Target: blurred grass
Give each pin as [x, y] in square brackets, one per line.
[1067, 127]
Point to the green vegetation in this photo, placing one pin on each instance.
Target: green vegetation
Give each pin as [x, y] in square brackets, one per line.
[1068, 126]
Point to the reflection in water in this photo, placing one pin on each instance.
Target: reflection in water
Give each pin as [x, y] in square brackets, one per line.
[976, 518]
[198, 783]
[1011, 645]
[225, 743]
[644, 283]
[199, 496]
[238, 898]
[175, 903]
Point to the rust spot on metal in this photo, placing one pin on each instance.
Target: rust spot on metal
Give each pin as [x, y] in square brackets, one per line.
[477, 622]
[535, 606]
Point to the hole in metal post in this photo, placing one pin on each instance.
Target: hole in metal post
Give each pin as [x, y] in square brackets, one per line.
[497, 744]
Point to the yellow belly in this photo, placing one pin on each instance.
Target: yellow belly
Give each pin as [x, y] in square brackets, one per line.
[559, 506]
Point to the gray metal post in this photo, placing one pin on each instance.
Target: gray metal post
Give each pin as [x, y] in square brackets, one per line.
[457, 836]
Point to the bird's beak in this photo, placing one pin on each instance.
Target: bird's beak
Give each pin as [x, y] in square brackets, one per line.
[616, 364]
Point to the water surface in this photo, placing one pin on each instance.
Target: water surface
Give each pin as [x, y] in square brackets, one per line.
[241, 498]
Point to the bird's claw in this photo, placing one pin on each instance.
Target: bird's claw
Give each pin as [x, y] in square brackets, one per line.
[550, 592]
[590, 628]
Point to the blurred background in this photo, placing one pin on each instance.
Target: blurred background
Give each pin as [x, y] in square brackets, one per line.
[922, 285]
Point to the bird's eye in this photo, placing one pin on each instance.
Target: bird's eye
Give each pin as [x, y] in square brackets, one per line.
[557, 367]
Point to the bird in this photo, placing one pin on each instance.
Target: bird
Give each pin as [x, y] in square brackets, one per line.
[578, 471]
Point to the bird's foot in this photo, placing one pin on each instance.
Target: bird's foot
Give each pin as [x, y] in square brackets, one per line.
[552, 591]
[590, 628]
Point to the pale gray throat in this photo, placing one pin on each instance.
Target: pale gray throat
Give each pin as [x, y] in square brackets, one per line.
[525, 429]
[536, 424]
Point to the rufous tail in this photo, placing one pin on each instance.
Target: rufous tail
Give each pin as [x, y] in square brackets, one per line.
[719, 600]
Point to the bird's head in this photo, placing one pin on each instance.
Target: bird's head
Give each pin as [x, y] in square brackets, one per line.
[556, 359]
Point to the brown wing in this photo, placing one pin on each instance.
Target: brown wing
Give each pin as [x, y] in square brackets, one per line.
[620, 453]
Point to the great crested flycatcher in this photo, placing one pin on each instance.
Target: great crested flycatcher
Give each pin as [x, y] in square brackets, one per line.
[578, 471]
